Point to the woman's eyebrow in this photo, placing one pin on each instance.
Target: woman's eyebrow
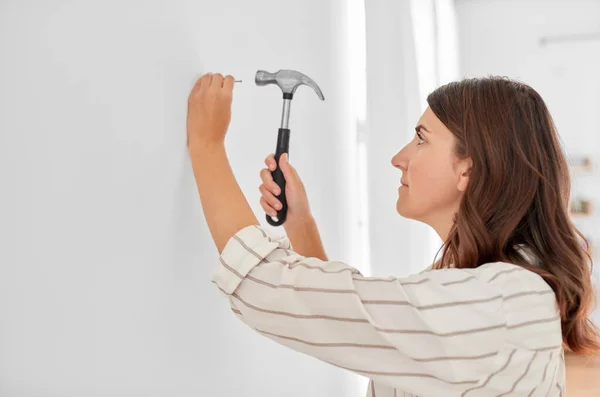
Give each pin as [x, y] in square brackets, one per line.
[421, 126]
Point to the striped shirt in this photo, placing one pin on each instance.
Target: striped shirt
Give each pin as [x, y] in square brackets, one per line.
[490, 331]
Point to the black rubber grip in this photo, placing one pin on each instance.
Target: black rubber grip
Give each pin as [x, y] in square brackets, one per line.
[283, 146]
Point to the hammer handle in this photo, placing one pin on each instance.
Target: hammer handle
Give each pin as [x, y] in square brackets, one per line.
[283, 146]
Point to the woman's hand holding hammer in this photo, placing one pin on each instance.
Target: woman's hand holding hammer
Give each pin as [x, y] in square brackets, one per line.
[298, 208]
[300, 225]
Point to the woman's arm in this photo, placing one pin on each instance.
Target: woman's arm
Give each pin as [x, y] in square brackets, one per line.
[225, 207]
[305, 238]
[439, 333]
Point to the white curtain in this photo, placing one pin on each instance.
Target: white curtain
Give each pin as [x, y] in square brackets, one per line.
[437, 57]
[411, 49]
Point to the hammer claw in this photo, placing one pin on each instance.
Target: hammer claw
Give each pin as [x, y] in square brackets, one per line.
[287, 80]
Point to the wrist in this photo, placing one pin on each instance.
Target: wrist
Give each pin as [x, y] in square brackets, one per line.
[304, 237]
[201, 150]
[299, 223]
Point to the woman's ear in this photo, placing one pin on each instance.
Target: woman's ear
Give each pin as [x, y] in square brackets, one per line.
[464, 172]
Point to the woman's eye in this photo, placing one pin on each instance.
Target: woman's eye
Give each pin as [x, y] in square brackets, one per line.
[421, 140]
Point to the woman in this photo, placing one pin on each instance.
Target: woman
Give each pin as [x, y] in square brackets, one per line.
[511, 291]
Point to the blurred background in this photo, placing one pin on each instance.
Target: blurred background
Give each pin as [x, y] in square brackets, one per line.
[106, 257]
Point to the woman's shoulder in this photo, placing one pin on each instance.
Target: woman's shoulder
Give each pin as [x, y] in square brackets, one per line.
[510, 275]
[499, 275]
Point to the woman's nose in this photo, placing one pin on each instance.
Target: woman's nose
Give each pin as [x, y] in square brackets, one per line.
[400, 160]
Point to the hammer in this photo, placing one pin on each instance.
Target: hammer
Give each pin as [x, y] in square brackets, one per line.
[288, 81]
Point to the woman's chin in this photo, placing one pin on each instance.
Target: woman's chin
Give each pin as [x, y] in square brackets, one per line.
[402, 210]
[405, 211]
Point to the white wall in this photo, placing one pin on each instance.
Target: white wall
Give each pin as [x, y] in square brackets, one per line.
[105, 255]
[502, 37]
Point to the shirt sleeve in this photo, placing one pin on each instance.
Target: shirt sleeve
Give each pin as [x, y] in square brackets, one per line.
[435, 333]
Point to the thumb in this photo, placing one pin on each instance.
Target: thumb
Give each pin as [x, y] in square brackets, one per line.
[286, 168]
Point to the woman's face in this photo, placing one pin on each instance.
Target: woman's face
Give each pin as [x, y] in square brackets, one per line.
[433, 178]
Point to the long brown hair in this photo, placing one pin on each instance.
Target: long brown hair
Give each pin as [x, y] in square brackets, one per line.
[518, 194]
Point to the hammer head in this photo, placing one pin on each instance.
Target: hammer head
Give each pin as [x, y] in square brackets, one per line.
[287, 80]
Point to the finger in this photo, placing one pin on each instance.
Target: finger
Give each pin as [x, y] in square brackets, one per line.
[205, 81]
[290, 167]
[270, 162]
[286, 168]
[267, 179]
[268, 196]
[228, 83]
[268, 209]
[197, 83]
[294, 172]
[266, 176]
[216, 82]
[202, 81]
[290, 173]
